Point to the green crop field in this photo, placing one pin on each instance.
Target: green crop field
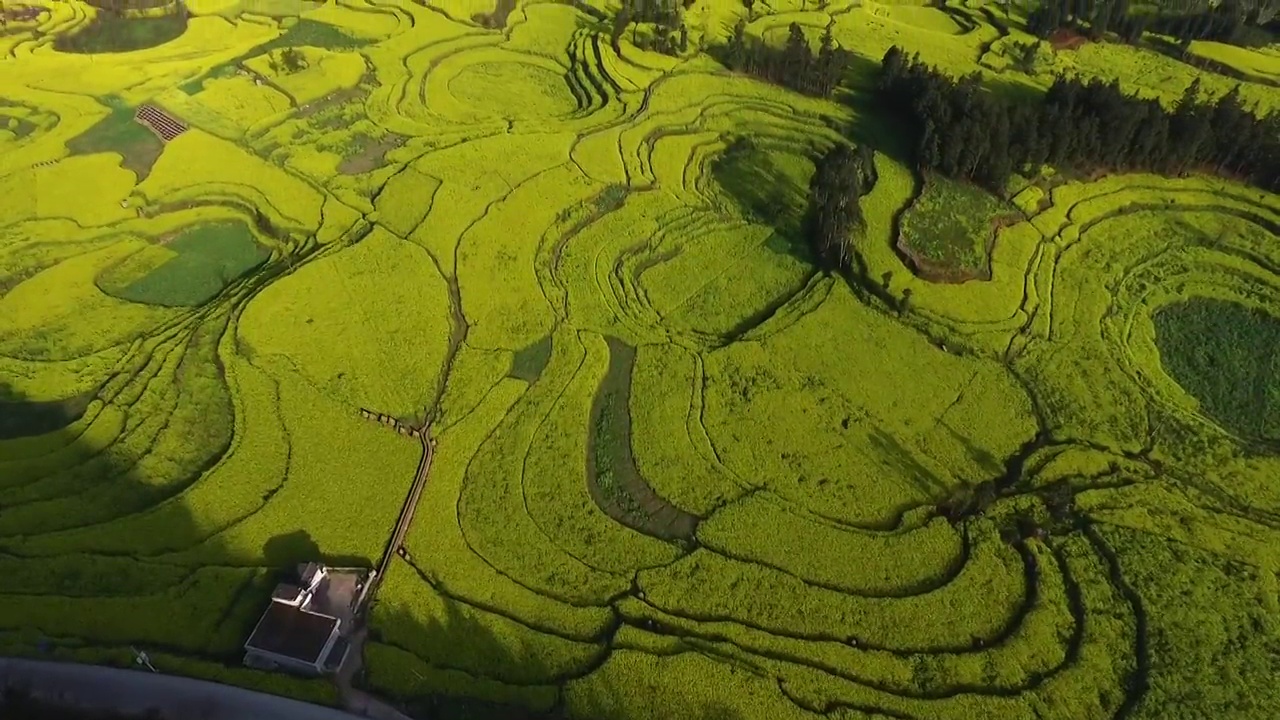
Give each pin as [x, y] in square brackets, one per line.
[1020, 460]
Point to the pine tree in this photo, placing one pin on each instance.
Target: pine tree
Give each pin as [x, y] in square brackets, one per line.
[829, 65]
[737, 50]
[893, 68]
[833, 205]
[796, 58]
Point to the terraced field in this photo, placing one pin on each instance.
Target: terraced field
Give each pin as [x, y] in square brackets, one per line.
[680, 472]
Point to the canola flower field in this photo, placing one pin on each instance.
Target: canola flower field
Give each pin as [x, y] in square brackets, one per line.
[680, 473]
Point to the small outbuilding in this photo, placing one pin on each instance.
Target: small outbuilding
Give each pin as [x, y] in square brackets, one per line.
[303, 629]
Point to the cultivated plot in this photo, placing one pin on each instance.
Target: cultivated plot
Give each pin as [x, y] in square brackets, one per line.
[1023, 464]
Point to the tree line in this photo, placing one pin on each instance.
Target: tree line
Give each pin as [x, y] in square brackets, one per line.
[969, 133]
[670, 34]
[1238, 22]
[794, 65]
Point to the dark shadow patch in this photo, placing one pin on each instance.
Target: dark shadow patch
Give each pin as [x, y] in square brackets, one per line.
[899, 458]
[527, 364]
[25, 418]
[112, 33]
[309, 33]
[871, 124]
[989, 463]
[285, 551]
[765, 192]
[613, 479]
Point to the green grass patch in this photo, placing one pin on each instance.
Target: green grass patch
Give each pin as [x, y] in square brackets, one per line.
[119, 133]
[205, 260]
[948, 231]
[114, 34]
[193, 87]
[617, 485]
[611, 444]
[1224, 355]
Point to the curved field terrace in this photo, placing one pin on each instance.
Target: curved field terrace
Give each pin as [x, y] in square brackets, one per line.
[1021, 459]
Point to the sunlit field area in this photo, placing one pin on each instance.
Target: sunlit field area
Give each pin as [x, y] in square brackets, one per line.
[1019, 459]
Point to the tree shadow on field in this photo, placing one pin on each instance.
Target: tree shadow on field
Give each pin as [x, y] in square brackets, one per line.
[873, 123]
[766, 193]
[287, 550]
[79, 588]
[900, 459]
[471, 658]
[20, 417]
[290, 549]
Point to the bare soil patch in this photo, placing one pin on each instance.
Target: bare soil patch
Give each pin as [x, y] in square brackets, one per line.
[370, 154]
[331, 100]
[1066, 39]
[497, 19]
[20, 13]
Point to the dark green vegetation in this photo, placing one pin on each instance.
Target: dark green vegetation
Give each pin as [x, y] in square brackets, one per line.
[528, 364]
[834, 210]
[24, 418]
[969, 134]
[1228, 357]
[310, 33]
[794, 65]
[1239, 22]
[118, 132]
[207, 258]
[110, 33]
[614, 480]
[947, 232]
[610, 449]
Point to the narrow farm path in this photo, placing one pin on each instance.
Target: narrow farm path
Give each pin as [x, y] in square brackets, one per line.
[354, 699]
[168, 696]
[410, 504]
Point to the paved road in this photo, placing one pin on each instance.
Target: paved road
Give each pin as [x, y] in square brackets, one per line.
[137, 691]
